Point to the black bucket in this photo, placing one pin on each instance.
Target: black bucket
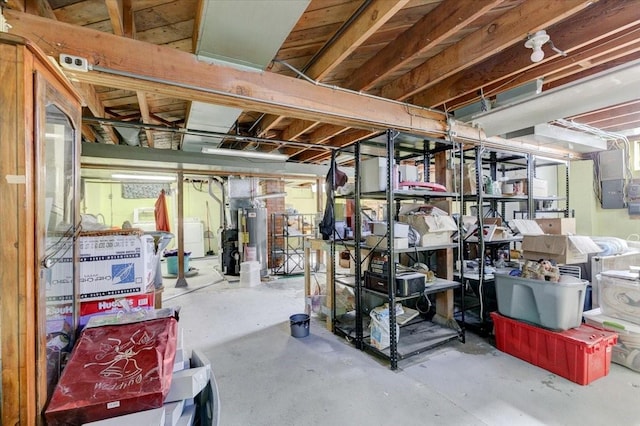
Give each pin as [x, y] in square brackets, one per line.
[299, 325]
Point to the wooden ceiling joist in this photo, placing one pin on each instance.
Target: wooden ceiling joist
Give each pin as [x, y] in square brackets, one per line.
[162, 70]
[483, 43]
[505, 71]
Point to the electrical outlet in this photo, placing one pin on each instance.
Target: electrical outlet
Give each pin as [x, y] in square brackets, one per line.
[74, 62]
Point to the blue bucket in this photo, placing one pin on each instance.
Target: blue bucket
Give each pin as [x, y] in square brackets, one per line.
[172, 264]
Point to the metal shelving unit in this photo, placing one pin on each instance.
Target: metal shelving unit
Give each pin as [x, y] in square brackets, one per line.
[288, 232]
[481, 283]
[418, 334]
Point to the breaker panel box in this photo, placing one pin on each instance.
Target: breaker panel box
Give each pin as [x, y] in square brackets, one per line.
[613, 194]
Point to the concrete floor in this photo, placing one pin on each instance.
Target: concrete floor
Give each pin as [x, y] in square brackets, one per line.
[266, 377]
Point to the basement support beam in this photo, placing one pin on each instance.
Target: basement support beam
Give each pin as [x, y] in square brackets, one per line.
[163, 70]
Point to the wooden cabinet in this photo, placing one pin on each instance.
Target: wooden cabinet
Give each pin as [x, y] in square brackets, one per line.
[40, 118]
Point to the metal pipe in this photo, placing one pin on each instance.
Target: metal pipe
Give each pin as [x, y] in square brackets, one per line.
[212, 182]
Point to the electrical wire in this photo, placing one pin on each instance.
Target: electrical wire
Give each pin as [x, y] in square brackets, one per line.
[615, 141]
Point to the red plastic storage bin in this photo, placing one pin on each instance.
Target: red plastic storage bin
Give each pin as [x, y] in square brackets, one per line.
[581, 354]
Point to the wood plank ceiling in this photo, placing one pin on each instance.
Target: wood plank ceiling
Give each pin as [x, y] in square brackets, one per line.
[440, 54]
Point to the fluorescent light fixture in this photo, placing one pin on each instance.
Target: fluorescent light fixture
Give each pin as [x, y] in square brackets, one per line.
[245, 154]
[153, 178]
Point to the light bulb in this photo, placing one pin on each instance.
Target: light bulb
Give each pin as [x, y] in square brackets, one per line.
[538, 54]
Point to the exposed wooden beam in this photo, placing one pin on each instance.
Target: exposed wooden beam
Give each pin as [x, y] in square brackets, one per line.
[154, 68]
[561, 68]
[18, 5]
[483, 43]
[128, 21]
[472, 49]
[435, 27]
[298, 129]
[367, 23]
[338, 141]
[320, 135]
[96, 107]
[267, 123]
[596, 23]
[39, 8]
[116, 15]
[608, 113]
[165, 71]
[89, 133]
[146, 116]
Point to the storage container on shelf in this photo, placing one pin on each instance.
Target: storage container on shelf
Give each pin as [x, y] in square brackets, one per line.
[619, 294]
[556, 306]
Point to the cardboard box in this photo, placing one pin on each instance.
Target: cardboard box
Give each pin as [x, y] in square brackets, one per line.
[381, 242]
[155, 417]
[521, 186]
[469, 186]
[173, 412]
[96, 308]
[408, 173]
[563, 249]
[558, 226]
[434, 230]
[187, 417]
[540, 188]
[373, 175]
[400, 230]
[110, 266]
[187, 383]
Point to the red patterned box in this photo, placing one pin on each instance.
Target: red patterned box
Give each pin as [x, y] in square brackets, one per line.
[115, 370]
[581, 354]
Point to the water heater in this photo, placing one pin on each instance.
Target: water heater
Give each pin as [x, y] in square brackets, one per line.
[252, 236]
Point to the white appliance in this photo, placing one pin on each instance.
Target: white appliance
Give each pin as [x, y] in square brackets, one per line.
[193, 236]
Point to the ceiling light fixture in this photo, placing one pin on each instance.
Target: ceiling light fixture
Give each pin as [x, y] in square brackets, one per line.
[245, 154]
[153, 178]
[536, 41]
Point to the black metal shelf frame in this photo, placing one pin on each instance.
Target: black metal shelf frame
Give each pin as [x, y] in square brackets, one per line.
[517, 161]
[396, 350]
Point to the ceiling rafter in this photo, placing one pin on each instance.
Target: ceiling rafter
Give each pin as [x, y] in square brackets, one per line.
[504, 31]
[478, 46]
[123, 23]
[374, 16]
[495, 73]
[423, 35]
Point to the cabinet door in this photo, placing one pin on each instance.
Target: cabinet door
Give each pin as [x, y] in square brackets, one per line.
[57, 224]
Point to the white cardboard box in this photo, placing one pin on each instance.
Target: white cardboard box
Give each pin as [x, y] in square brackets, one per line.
[178, 362]
[155, 417]
[187, 417]
[187, 384]
[110, 266]
[400, 230]
[373, 175]
[173, 411]
[381, 242]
